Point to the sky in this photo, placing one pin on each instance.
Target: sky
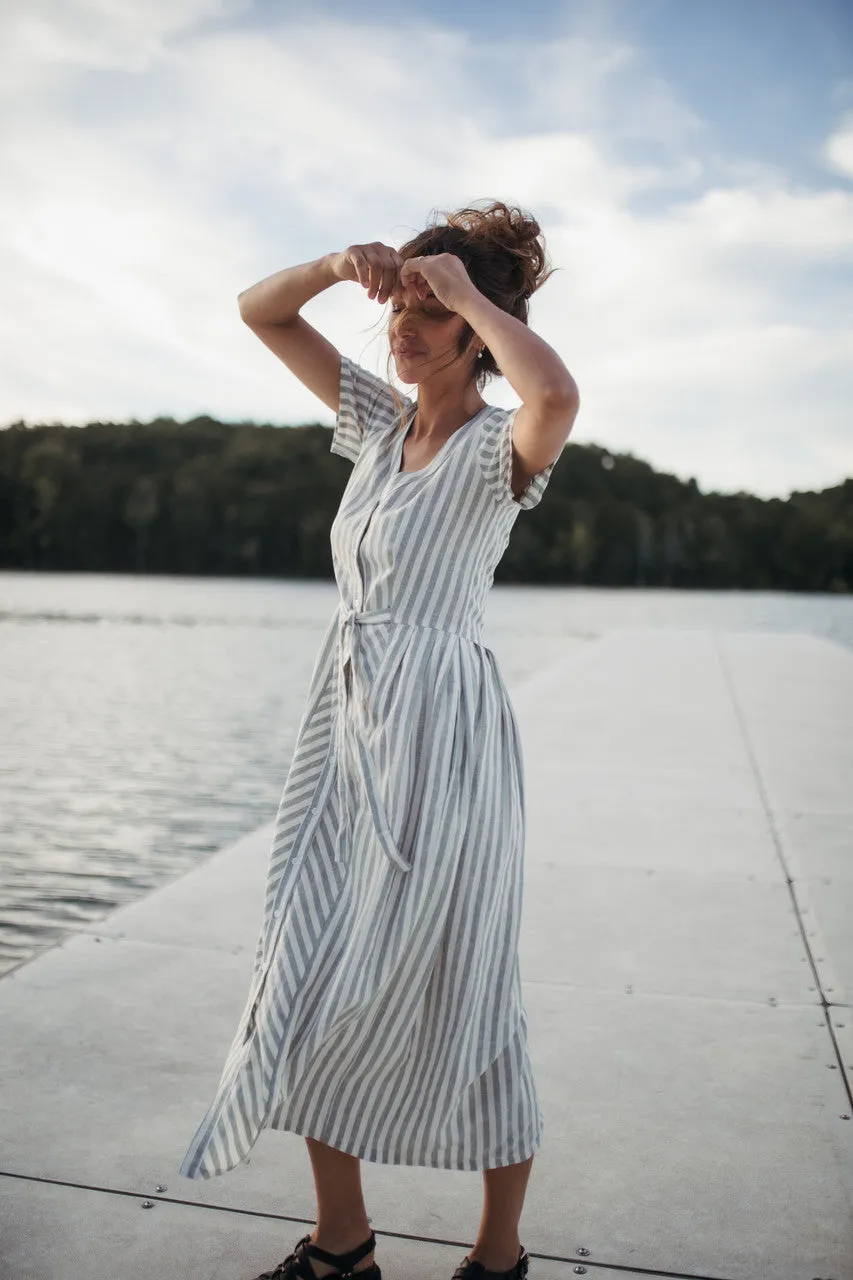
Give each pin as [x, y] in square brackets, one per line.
[691, 165]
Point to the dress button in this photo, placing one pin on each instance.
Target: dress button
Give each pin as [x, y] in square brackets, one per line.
[277, 914]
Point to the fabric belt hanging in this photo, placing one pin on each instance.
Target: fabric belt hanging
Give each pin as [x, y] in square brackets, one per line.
[348, 722]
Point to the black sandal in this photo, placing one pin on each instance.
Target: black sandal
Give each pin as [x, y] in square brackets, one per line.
[296, 1265]
[470, 1269]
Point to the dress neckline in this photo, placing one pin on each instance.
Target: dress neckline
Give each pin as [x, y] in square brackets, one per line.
[396, 473]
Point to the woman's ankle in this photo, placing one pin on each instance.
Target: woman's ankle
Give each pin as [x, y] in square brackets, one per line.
[496, 1255]
[341, 1238]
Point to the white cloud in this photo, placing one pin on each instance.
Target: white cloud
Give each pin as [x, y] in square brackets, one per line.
[838, 149]
[104, 33]
[686, 307]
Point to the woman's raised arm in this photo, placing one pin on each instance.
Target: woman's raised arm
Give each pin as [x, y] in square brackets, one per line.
[271, 310]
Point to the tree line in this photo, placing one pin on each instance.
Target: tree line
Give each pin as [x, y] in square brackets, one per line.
[208, 497]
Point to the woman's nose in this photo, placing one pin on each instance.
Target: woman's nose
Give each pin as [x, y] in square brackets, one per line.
[405, 324]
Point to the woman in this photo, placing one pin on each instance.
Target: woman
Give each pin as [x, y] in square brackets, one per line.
[385, 1020]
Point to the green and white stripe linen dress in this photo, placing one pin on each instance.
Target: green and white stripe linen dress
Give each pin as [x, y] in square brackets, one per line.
[385, 1015]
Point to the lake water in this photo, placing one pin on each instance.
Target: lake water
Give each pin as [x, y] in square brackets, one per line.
[146, 722]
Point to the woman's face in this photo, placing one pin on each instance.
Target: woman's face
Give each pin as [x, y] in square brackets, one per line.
[423, 334]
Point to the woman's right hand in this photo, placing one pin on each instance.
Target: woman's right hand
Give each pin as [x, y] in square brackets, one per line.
[375, 266]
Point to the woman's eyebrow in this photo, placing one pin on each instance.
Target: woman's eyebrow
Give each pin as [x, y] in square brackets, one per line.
[430, 299]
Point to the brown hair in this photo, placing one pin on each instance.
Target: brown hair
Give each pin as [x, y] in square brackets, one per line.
[503, 251]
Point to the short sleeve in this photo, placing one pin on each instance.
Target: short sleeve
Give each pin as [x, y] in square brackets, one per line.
[367, 403]
[495, 458]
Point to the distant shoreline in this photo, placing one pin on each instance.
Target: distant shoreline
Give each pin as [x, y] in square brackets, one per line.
[211, 499]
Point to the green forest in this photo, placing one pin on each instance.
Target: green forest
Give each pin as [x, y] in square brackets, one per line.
[208, 497]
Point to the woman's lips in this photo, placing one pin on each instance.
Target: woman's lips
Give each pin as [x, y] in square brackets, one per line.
[403, 350]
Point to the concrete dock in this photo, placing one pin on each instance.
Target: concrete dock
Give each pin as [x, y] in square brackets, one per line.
[688, 963]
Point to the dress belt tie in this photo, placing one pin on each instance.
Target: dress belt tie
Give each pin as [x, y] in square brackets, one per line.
[352, 620]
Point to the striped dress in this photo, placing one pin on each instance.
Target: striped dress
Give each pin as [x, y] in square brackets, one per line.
[385, 1014]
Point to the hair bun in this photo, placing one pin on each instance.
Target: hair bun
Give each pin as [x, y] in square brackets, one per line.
[512, 229]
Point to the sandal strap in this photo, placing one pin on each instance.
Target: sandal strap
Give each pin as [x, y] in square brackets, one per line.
[343, 1262]
[470, 1269]
[295, 1264]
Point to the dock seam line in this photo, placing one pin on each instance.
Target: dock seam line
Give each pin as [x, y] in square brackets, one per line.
[391, 1235]
[780, 854]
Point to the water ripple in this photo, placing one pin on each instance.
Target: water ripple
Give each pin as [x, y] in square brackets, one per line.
[147, 722]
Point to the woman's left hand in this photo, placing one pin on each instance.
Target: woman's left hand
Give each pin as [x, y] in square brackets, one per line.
[442, 274]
